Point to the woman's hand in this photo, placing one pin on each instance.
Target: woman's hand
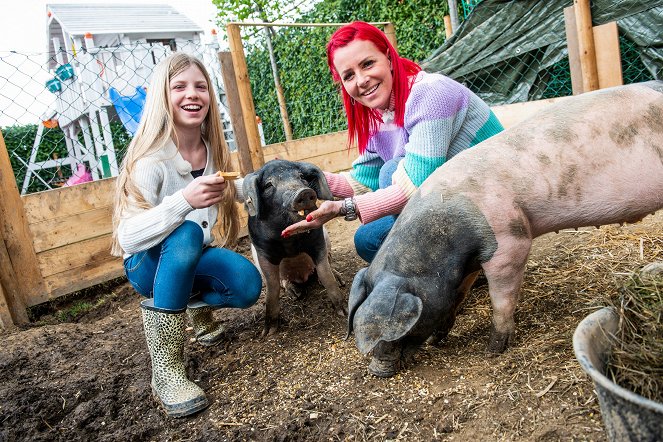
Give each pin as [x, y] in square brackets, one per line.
[205, 191]
[327, 211]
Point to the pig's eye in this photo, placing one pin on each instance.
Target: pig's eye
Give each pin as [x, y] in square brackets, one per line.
[268, 185]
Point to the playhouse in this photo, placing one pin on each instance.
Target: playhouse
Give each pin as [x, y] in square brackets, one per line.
[101, 57]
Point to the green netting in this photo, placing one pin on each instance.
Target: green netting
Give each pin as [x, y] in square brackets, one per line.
[513, 51]
[468, 6]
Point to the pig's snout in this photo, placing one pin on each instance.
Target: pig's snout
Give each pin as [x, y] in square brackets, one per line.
[304, 199]
[383, 368]
[386, 359]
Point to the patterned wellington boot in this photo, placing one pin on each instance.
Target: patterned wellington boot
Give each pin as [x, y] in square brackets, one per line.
[208, 331]
[164, 332]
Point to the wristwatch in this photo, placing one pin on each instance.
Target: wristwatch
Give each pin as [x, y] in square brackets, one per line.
[349, 209]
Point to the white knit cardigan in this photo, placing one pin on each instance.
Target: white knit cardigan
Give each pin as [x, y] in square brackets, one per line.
[161, 177]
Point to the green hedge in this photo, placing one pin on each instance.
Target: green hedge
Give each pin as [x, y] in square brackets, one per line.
[20, 139]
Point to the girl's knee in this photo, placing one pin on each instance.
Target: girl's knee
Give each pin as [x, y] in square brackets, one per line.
[190, 231]
[186, 241]
[252, 288]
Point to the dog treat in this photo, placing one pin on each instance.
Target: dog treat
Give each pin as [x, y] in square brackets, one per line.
[228, 175]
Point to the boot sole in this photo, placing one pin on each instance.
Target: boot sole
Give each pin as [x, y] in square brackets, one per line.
[184, 409]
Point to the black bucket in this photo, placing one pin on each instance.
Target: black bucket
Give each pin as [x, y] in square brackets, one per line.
[626, 415]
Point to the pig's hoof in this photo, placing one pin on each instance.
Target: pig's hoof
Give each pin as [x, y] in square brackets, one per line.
[338, 277]
[382, 369]
[270, 331]
[498, 342]
[271, 328]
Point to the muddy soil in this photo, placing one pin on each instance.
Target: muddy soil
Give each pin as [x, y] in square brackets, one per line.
[85, 376]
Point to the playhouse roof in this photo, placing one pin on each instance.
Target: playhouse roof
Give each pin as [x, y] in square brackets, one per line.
[117, 18]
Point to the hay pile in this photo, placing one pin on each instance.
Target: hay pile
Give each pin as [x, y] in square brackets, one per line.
[637, 358]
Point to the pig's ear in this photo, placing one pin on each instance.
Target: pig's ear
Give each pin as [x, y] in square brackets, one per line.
[385, 317]
[317, 180]
[251, 197]
[357, 297]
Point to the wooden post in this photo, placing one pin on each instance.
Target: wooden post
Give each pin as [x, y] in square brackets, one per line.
[279, 89]
[390, 32]
[245, 95]
[235, 108]
[453, 13]
[12, 307]
[590, 77]
[572, 47]
[448, 28]
[23, 267]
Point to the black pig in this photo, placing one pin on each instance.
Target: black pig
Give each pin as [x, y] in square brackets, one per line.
[277, 195]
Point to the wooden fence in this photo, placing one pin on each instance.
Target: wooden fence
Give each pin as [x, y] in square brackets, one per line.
[56, 242]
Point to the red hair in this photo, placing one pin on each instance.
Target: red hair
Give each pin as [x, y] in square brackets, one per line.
[363, 121]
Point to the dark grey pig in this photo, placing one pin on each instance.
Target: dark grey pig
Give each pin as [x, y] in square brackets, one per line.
[590, 160]
[277, 195]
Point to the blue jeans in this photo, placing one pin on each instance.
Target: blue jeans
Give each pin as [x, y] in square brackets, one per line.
[179, 267]
[369, 237]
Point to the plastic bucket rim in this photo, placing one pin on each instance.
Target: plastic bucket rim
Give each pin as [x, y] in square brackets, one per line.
[597, 376]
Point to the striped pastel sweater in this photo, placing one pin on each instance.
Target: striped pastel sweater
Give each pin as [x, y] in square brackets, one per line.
[442, 118]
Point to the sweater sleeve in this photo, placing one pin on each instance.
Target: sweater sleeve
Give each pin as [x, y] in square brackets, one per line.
[434, 116]
[140, 229]
[365, 172]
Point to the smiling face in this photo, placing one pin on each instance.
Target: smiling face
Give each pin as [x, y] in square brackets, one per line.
[189, 98]
[365, 73]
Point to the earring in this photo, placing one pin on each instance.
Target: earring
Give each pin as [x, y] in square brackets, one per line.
[352, 101]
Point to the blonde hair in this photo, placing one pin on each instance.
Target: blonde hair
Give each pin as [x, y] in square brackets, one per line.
[155, 129]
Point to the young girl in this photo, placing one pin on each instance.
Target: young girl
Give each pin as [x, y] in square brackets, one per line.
[406, 124]
[168, 199]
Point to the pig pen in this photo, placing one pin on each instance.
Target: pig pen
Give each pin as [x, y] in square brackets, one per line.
[85, 376]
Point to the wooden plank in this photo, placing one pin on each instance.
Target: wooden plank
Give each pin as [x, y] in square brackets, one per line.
[59, 232]
[68, 201]
[245, 95]
[335, 161]
[81, 278]
[586, 48]
[608, 56]
[573, 49]
[511, 114]
[235, 107]
[307, 147]
[17, 237]
[86, 253]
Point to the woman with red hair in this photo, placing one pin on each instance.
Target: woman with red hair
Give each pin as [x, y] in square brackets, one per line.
[405, 122]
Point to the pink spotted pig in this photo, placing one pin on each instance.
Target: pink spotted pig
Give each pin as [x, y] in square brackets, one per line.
[593, 159]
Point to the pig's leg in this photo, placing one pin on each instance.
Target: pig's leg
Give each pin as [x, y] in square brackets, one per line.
[272, 310]
[504, 272]
[337, 275]
[328, 280]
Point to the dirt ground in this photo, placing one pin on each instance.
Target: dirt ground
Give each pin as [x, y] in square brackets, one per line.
[88, 377]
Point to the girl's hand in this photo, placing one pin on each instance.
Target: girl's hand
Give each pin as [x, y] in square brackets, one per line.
[205, 191]
[327, 211]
